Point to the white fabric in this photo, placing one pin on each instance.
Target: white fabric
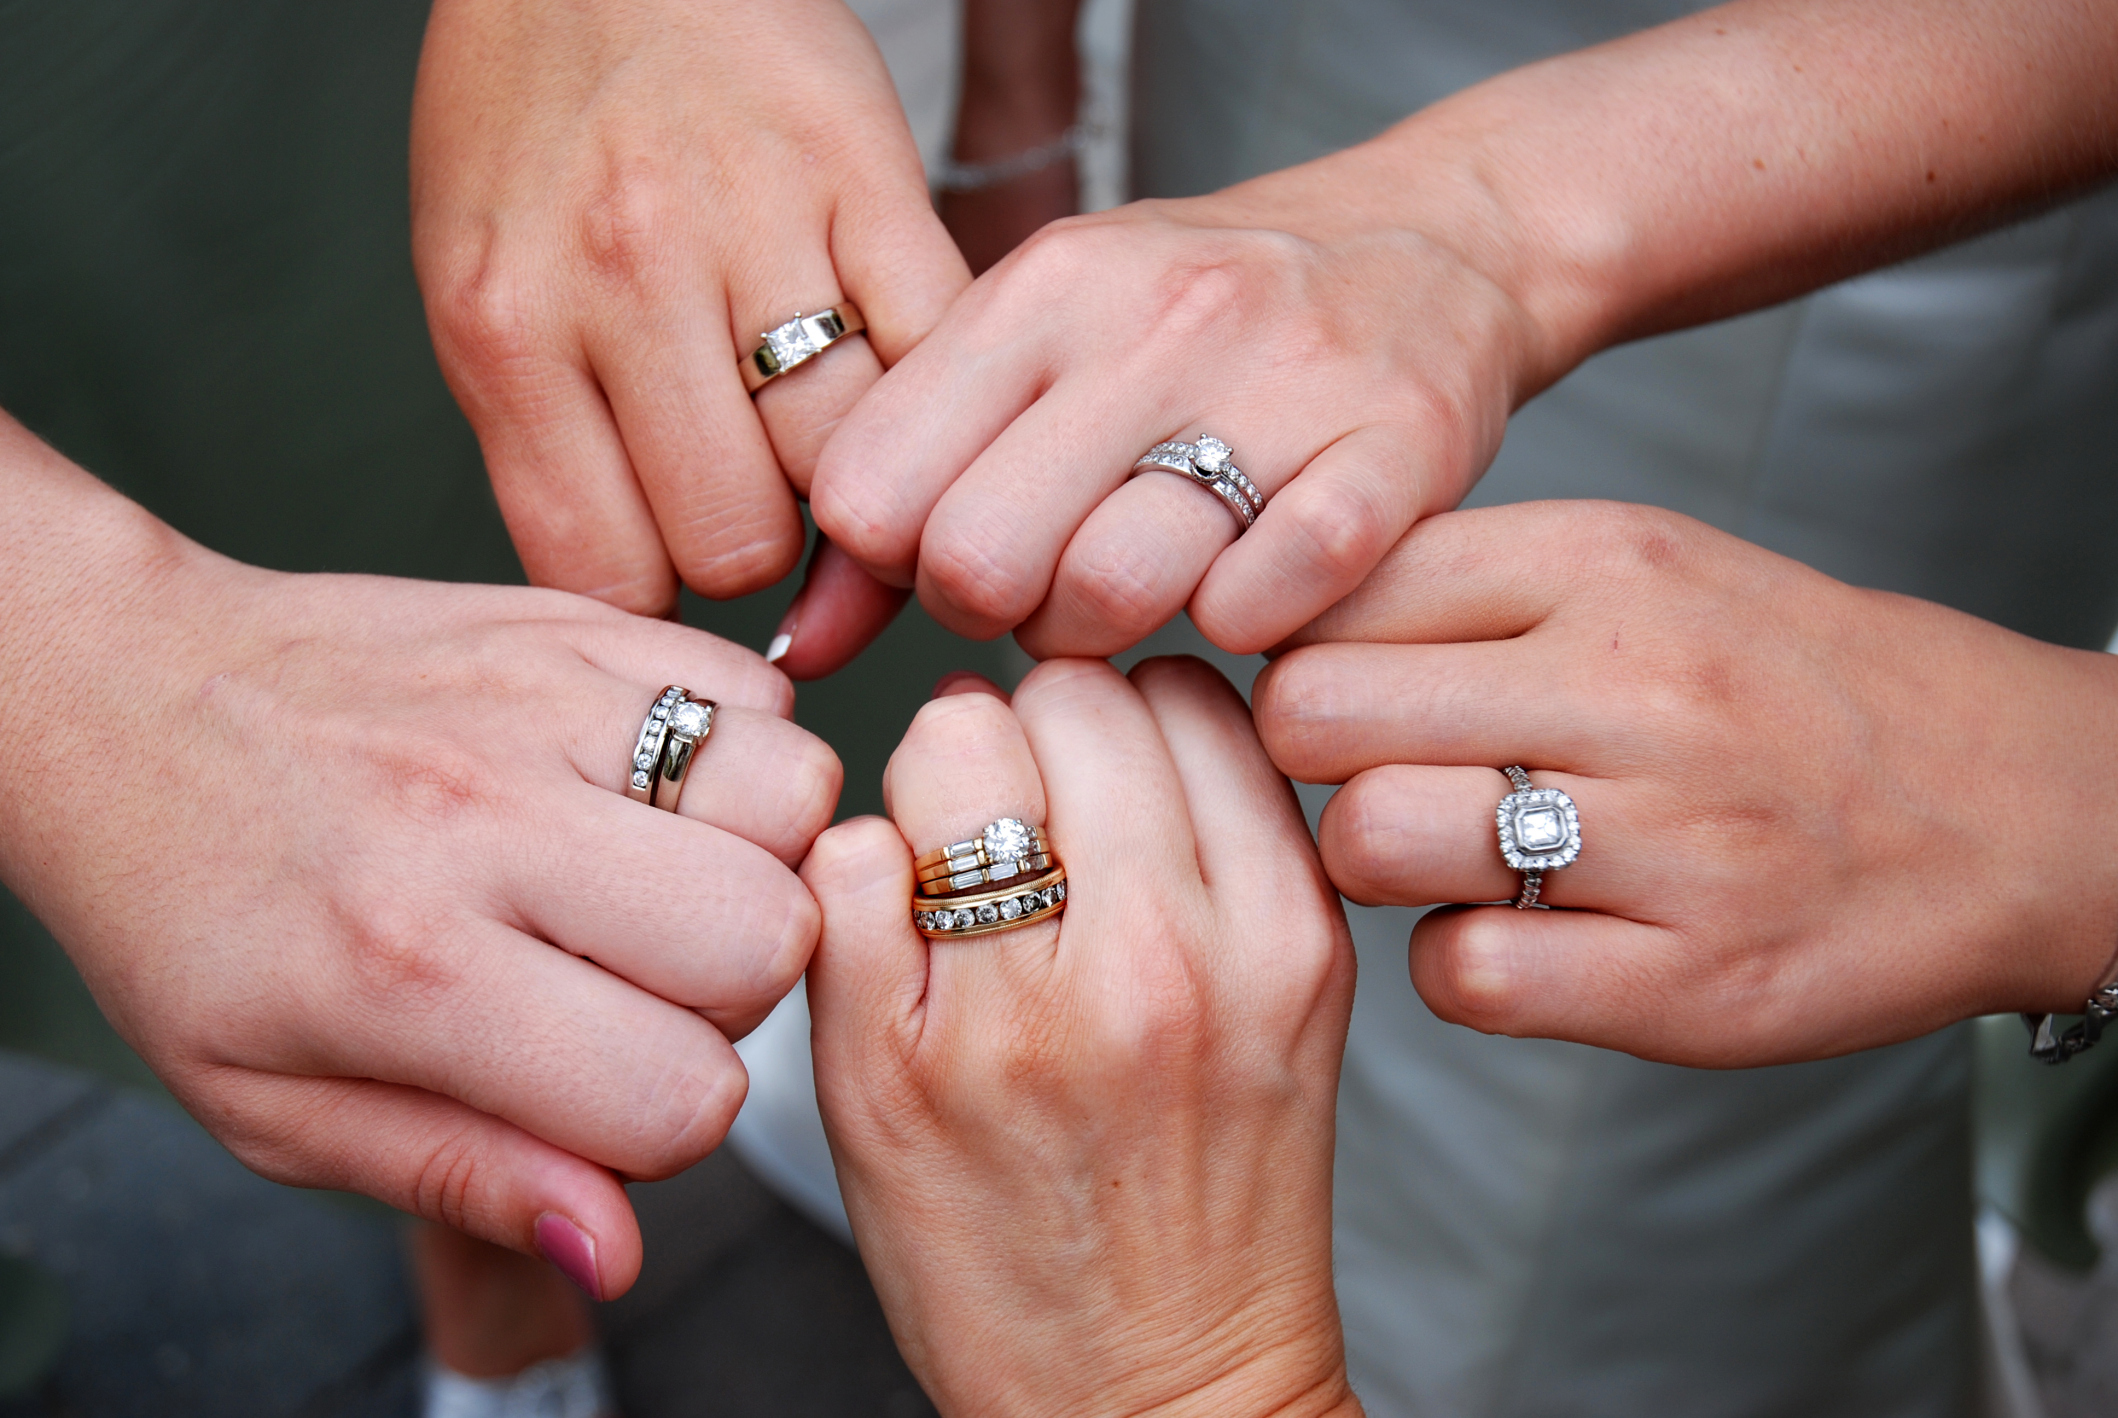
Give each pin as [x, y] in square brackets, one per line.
[577, 1386]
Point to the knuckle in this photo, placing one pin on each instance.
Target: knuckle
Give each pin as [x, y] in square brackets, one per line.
[1343, 526]
[491, 321]
[973, 576]
[1296, 701]
[399, 954]
[1124, 586]
[694, 1107]
[1361, 840]
[1466, 972]
[624, 223]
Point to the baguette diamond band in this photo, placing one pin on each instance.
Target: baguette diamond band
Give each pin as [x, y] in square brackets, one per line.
[1540, 831]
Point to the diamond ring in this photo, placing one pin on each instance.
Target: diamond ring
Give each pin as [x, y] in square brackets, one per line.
[1025, 904]
[1540, 831]
[1007, 850]
[675, 726]
[1207, 463]
[797, 342]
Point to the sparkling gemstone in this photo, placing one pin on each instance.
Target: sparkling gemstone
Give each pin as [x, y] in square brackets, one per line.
[790, 343]
[1010, 909]
[644, 761]
[1046, 896]
[1059, 892]
[964, 918]
[1007, 840]
[639, 780]
[1029, 903]
[1213, 455]
[689, 719]
[922, 919]
[988, 913]
[660, 711]
[1539, 828]
[1002, 870]
[973, 877]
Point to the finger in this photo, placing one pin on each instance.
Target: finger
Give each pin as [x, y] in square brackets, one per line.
[839, 611]
[1412, 836]
[1327, 712]
[1607, 981]
[1318, 537]
[434, 1157]
[562, 476]
[1130, 568]
[803, 407]
[897, 260]
[724, 509]
[1254, 849]
[695, 915]
[513, 1027]
[645, 652]
[868, 980]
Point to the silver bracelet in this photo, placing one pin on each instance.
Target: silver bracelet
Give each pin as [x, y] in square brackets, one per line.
[955, 176]
[2051, 1047]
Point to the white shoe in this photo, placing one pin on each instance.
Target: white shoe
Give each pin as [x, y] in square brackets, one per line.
[577, 1386]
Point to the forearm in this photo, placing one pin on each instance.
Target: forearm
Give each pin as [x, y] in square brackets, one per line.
[1751, 153]
[1021, 76]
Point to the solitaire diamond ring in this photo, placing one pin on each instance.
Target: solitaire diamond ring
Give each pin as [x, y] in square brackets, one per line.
[797, 342]
[675, 726]
[1208, 463]
[1540, 831]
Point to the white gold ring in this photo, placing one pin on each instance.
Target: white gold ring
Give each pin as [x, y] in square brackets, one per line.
[1540, 831]
[1208, 463]
[798, 341]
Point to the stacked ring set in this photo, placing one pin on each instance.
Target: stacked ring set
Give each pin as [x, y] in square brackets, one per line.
[1005, 877]
[669, 738]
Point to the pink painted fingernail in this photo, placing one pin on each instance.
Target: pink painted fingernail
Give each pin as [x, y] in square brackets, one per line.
[567, 1246]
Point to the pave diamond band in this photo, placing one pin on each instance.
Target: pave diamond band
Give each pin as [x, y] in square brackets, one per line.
[1540, 831]
[1208, 463]
[675, 726]
[795, 343]
[951, 917]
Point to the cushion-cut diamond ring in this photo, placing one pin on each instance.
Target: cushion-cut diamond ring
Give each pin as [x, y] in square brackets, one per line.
[797, 342]
[1208, 463]
[1540, 831]
[676, 725]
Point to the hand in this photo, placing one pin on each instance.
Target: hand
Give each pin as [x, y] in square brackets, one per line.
[1814, 818]
[1362, 375]
[346, 859]
[1089, 1162]
[610, 202]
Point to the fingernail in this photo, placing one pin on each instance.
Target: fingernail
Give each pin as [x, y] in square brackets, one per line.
[568, 1247]
[778, 648]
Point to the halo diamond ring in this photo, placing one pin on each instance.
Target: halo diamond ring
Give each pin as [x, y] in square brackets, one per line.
[1540, 831]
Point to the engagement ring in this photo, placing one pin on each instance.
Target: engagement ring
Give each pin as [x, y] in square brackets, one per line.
[797, 342]
[1540, 831]
[1207, 463]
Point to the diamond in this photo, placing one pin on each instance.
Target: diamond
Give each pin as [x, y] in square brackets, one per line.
[1539, 828]
[1010, 909]
[1004, 869]
[639, 780]
[988, 913]
[690, 719]
[973, 877]
[660, 711]
[923, 919]
[1059, 892]
[1046, 896]
[1007, 840]
[1213, 454]
[1029, 903]
[644, 761]
[790, 343]
[964, 918]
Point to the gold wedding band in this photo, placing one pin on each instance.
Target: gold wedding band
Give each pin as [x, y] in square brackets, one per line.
[951, 917]
[795, 343]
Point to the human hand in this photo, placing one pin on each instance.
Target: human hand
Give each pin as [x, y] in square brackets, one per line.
[346, 859]
[610, 202]
[1361, 369]
[1089, 1162]
[1814, 818]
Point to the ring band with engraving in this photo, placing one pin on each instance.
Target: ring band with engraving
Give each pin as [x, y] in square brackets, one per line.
[1207, 463]
[1007, 848]
[670, 736]
[947, 918]
[795, 343]
[1540, 831]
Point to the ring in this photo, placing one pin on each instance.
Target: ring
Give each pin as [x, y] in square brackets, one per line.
[669, 737]
[797, 342]
[1540, 831]
[1006, 849]
[1207, 464]
[952, 917]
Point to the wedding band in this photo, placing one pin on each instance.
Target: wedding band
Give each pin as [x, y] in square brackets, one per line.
[1006, 849]
[797, 342]
[1540, 831]
[675, 726]
[950, 918]
[1206, 463]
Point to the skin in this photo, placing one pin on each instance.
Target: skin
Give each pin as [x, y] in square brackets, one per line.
[1359, 328]
[574, 168]
[366, 894]
[1088, 1161]
[1815, 818]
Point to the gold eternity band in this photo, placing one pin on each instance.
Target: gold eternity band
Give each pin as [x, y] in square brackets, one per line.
[947, 918]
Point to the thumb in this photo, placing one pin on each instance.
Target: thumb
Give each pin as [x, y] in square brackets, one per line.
[868, 977]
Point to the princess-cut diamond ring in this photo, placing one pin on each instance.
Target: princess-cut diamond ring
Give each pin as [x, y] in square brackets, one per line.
[675, 726]
[1540, 831]
[1209, 463]
[798, 341]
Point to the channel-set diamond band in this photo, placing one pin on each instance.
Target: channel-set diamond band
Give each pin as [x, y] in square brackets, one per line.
[1007, 849]
[1540, 831]
[1207, 463]
[950, 917]
[670, 736]
[795, 343]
